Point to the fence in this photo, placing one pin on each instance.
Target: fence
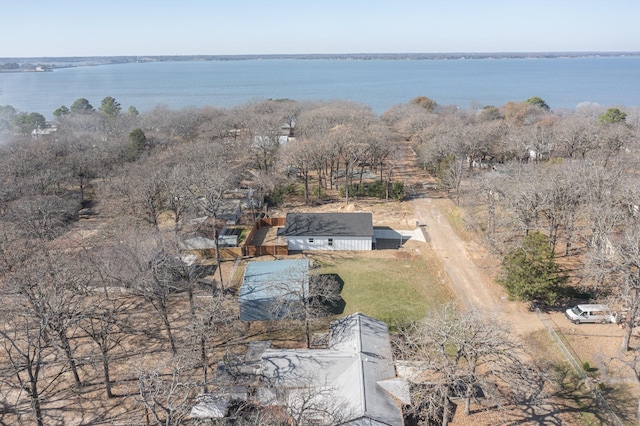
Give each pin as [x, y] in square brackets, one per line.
[247, 249]
[578, 368]
[275, 250]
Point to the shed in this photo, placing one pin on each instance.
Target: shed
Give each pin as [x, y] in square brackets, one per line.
[230, 210]
[328, 231]
[273, 289]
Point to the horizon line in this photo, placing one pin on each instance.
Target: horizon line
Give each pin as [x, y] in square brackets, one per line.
[264, 55]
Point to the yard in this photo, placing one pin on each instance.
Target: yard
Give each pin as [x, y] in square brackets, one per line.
[394, 286]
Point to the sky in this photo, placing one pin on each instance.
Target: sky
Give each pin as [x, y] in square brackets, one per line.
[46, 28]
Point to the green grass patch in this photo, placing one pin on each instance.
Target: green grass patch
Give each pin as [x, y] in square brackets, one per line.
[392, 290]
[243, 235]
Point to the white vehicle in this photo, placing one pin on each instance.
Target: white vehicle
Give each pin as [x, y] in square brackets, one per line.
[591, 313]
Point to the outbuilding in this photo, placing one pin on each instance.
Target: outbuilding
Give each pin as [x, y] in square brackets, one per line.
[273, 289]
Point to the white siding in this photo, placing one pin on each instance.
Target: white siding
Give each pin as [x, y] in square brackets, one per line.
[322, 243]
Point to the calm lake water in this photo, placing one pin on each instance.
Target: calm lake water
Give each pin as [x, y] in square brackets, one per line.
[561, 82]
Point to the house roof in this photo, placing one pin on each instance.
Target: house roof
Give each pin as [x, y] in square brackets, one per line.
[354, 368]
[328, 225]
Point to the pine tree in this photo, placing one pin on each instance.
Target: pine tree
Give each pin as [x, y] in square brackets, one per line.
[530, 272]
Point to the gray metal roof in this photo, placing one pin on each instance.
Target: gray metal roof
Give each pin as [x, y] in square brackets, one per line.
[358, 360]
[328, 225]
[268, 286]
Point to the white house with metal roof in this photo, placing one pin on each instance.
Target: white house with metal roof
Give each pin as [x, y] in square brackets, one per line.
[328, 231]
[353, 381]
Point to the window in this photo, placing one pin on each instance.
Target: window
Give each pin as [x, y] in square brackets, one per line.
[330, 242]
[310, 240]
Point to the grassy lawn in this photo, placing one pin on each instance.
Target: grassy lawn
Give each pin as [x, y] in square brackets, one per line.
[392, 290]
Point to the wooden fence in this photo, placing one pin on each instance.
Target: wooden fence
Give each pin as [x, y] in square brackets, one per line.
[254, 251]
[251, 250]
[247, 249]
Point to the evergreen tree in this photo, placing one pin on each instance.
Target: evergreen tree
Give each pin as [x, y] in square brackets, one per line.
[530, 272]
[397, 191]
[25, 123]
[137, 143]
[612, 115]
[110, 107]
[81, 105]
[133, 111]
[61, 112]
[539, 102]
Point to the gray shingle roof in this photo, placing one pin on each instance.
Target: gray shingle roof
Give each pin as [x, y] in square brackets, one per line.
[328, 225]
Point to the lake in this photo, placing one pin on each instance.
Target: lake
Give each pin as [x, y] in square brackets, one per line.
[562, 82]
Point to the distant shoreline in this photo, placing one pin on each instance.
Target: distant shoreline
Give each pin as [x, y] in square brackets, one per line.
[43, 64]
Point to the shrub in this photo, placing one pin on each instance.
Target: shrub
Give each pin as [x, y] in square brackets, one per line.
[397, 191]
[376, 190]
[280, 193]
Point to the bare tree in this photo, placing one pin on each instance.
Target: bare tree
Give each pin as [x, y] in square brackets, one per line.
[326, 124]
[40, 310]
[601, 188]
[301, 154]
[52, 288]
[408, 119]
[632, 362]
[489, 190]
[150, 266]
[167, 392]
[214, 324]
[525, 197]
[306, 395]
[309, 404]
[107, 326]
[620, 264]
[178, 188]
[451, 172]
[463, 353]
[216, 174]
[28, 353]
[305, 298]
[144, 188]
[44, 217]
[613, 138]
[264, 123]
[439, 141]
[576, 136]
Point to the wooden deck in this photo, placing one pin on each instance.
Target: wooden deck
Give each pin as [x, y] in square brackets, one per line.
[267, 236]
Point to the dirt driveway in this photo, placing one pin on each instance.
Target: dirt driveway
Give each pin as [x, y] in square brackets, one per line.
[469, 267]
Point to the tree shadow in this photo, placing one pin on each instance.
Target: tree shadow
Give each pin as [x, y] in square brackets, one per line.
[336, 305]
[572, 396]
